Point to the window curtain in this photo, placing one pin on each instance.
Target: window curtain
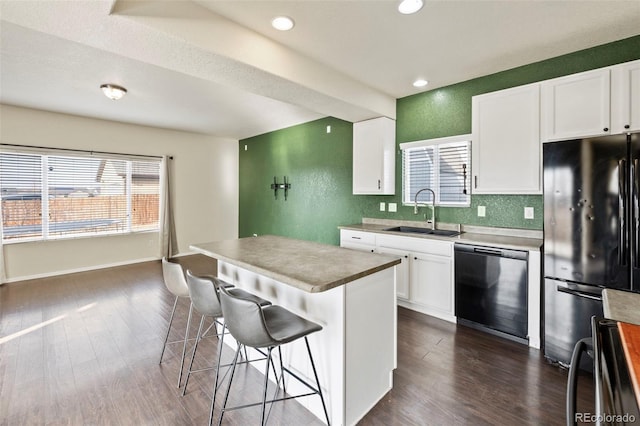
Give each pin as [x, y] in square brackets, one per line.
[3, 274]
[168, 243]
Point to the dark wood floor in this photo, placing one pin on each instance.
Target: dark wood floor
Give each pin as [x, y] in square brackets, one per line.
[84, 348]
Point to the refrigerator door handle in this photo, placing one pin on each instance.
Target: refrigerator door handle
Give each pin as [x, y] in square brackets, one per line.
[622, 213]
[579, 293]
[634, 209]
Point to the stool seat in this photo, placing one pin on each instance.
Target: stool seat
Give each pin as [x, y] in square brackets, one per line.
[284, 326]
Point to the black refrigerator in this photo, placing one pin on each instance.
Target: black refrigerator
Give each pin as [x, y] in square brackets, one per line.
[591, 233]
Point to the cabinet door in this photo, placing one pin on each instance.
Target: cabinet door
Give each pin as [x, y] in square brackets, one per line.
[432, 282]
[625, 97]
[506, 145]
[374, 157]
[576, 106]
[402, 271]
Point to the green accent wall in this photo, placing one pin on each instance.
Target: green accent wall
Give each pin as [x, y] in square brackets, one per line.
[319, 164]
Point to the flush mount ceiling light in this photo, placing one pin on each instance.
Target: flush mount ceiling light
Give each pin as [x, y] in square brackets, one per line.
[407, 7]
[282, 23]
[420, 83]
[113, 91]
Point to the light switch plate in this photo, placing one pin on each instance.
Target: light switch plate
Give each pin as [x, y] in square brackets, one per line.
[393, 207]
[382, 207]
[482, 211]
[528, 212]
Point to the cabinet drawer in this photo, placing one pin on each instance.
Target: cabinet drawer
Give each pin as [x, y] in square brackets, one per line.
[359, 237]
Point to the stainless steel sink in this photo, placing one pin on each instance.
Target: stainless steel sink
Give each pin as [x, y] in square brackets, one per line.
[425, 231]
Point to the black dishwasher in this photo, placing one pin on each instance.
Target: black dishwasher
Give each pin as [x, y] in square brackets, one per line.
[491, 290]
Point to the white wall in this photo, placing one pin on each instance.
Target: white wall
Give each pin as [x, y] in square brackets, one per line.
[205, 182]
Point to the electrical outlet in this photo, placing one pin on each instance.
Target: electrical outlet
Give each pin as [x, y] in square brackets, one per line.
[393, 207]
[328, 129]
[528, 212]
[382, 207]
[482, 211]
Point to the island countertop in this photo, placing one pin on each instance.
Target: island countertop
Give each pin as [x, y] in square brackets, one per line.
[621, 305]
[308, 266]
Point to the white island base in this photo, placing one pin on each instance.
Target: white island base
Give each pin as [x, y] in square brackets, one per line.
[355, 352]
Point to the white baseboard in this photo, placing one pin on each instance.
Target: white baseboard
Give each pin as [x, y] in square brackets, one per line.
[84, 269]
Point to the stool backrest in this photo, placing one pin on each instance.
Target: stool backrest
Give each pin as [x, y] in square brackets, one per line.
[245, 320]
[174, 278]
[204, 295]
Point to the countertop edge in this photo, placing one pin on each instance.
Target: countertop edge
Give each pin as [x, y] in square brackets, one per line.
[488, 240]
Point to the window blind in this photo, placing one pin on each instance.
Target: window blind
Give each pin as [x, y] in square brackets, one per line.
[443, 168]
[21, 189]
[56, 196]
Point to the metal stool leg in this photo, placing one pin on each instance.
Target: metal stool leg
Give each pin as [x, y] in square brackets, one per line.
[184, 347]
[166, 338]
[215, 383]
[193, 355]
[226, 396]
[266, 384]
[315, 374]
[284, 386]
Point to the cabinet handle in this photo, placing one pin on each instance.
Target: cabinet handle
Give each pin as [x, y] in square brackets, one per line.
[626, 126]
[378, 183]
[415, 258]
[356, 238]
[371, 250]
[475, 181]
[606, 129]
[406, 256]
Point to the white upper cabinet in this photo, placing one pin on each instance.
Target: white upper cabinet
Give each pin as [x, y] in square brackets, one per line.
[506, 145]
[576, 106]
[625, 97]
[374, 159]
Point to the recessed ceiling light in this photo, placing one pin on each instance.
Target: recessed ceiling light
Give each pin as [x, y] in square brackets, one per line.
[420, 83]
[282, 23]
[407, 7]
[113, 91]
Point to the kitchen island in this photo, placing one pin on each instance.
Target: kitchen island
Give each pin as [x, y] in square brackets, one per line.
[350, 294]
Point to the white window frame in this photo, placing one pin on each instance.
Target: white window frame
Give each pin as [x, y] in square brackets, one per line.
[45, 154]
[437, 144]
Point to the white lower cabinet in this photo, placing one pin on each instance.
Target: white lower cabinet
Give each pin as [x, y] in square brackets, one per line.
[402, 270]
[432, 283]
[424, 279]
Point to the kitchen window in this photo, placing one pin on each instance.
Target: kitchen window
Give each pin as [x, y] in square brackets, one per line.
[64, 196]
[442, 165]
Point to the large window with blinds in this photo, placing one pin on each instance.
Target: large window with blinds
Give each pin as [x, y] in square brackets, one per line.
[64, 196]
[442, 165]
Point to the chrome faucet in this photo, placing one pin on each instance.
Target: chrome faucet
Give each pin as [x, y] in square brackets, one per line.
[433, 206]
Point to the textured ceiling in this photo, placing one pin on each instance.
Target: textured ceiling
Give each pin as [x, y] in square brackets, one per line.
[217, 67]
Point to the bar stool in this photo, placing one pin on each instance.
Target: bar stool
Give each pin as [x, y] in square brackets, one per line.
[176, 283]
[206, 302]
[582, 346]
[265, 327]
